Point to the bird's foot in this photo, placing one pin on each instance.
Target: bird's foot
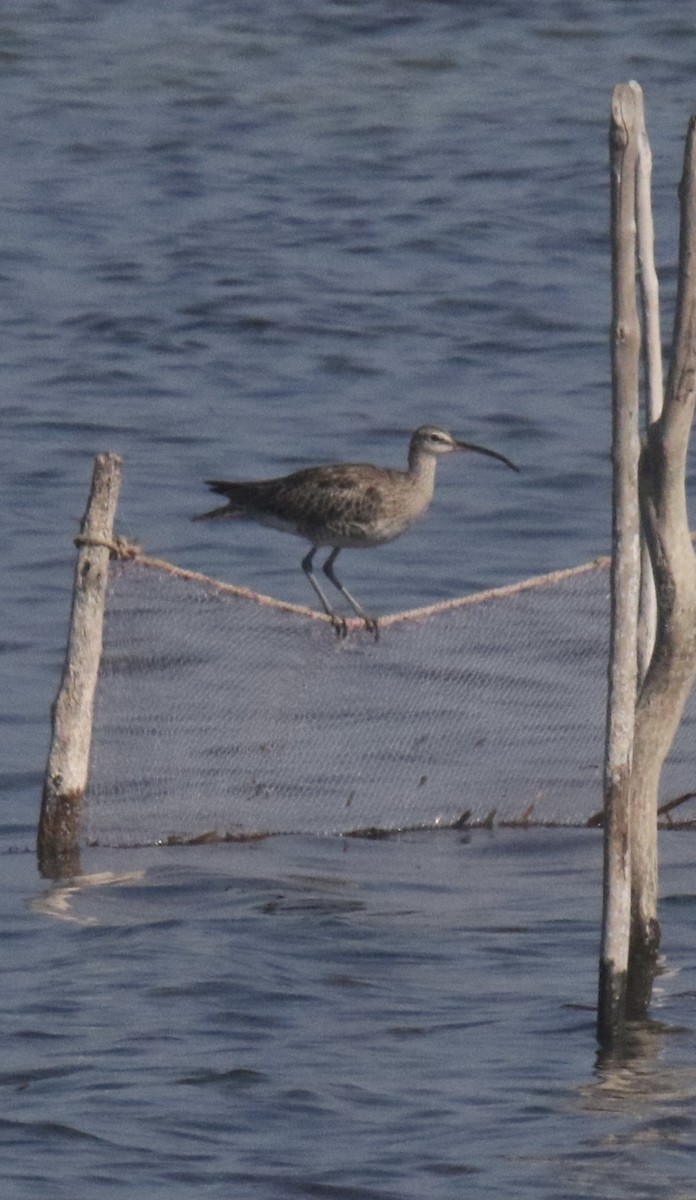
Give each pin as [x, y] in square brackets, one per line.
[372, 626]
[340, 626]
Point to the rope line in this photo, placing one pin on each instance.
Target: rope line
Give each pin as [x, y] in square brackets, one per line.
[118, 547]
[123, 550]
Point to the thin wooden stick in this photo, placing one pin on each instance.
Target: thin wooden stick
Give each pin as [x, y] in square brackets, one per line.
[649, 283]
[652, 356]
[621, 700]
[68, 760]
[673, 665]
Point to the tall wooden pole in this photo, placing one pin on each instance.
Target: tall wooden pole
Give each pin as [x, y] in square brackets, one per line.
[625, 570]
[68, 760]
[640, 731]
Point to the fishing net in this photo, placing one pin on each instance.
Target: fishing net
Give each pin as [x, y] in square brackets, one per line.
[220, 713]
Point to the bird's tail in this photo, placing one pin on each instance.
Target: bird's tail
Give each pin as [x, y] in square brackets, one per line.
[235, 494]
[215, 514]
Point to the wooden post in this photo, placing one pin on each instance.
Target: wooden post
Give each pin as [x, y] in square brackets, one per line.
[632, 773]
[672, 668]
[625, 347]
[68, 760]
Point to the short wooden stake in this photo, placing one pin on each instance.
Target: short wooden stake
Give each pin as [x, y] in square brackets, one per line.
[67, 769]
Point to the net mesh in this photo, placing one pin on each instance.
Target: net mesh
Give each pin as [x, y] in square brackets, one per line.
[222, 714]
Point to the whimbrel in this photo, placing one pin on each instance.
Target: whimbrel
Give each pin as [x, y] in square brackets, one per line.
[345, 506]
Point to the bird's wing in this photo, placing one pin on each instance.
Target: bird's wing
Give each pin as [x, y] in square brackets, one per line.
[345, 494]
[342, 484]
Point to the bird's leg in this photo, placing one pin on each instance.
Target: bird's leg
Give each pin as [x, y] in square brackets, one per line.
[339, 623]
[370, 622]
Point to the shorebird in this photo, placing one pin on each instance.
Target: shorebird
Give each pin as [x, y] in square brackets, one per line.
[345, 506]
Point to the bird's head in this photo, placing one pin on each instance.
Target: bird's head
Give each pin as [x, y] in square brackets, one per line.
[428, 439]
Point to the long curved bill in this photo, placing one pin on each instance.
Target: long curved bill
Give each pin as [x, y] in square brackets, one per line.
[491, 453]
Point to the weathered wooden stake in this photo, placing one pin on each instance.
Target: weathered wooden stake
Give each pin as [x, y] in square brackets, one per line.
[640, 731]
[68, 760]
[672, 668]
[625, 569]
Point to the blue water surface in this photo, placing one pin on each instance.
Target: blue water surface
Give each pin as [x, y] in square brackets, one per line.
[239, 238]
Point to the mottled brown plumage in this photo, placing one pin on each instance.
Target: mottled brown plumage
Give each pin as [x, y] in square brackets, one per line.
[345, 506]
